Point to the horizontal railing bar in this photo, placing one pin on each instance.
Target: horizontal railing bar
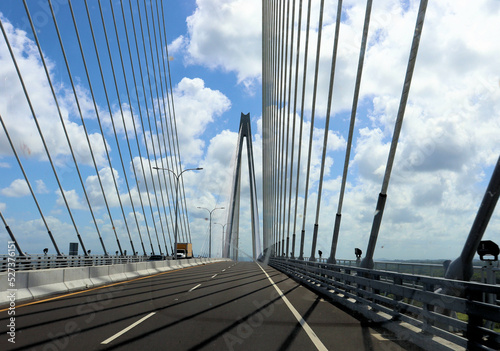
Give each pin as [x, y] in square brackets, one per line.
[430, 304]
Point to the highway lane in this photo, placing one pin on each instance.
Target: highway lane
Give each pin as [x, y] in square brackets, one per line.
[221, 306]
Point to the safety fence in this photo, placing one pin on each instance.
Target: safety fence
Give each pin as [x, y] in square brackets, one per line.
[26, 263]
[433, 313]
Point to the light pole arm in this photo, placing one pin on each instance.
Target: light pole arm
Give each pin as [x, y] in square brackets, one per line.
[210, 229]
[177, 200]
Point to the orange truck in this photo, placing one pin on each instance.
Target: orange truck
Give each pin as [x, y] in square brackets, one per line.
[184, 250]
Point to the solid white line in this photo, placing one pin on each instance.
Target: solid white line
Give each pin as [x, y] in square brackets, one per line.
[214, 275]
[107, 341]
[312, 335]
[194, 288]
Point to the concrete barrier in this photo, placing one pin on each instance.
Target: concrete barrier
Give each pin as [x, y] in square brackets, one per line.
[46, 281]
[116, 272]
[142, 268]
[39, 283]
[154, 267]
[19, 290]
[77, 278]
[130, 270]
[176, 264]
[99, 275]
[166, 266]
[188, 263]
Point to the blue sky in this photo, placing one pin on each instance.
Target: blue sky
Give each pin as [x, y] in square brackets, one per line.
[448, 145]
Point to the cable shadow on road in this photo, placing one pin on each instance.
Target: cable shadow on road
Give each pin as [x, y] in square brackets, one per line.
[217, 335]
[298, 326]
[143, 311]
[97, 294]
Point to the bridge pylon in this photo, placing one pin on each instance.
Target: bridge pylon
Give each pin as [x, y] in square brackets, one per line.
[232, 238]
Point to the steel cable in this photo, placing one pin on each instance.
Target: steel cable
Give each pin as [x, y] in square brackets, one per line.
[35, 119]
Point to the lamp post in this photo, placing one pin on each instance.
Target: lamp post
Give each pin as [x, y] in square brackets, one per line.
[177, 176]
[223, 236]
[210, 229]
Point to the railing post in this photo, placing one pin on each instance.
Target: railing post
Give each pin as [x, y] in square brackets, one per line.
[426, 308]
[397, 298]
[473, 333]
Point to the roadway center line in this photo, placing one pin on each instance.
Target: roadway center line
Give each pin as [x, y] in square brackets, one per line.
[312, 335]
[194, 288]
[108, 340]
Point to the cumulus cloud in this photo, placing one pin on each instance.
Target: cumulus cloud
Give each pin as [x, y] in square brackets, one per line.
[17, 116]
[94, 191]
[17, 188]
[41, 188]
[216, 32]
[72, 198]
[448, 139]
[196, 107]
[448, 145]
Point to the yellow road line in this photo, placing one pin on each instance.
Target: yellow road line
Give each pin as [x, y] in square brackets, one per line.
[100, 287]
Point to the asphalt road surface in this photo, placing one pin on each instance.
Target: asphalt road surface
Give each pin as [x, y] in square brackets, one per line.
[220, 306]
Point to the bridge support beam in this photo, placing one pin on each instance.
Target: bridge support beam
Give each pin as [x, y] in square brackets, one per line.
[367, 262]
[335, 239]
[461, 268]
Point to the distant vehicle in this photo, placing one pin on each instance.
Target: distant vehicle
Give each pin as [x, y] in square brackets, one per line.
[184, 250]
[156, 258]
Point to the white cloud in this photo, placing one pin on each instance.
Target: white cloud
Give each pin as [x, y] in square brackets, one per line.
[226, 34]
[120, 115]
[196, 107]
[17, 116]
[449, 141]
[41, 188]
[17, 188]
[94, 191]
[72, 198]
[447, 148]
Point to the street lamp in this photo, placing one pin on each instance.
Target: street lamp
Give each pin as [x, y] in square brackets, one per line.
[223, 236]
[177, 200]
[210, 235]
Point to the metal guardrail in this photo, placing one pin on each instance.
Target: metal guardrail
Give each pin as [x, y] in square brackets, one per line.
[25, 263]
[420, 309]
[426, 269]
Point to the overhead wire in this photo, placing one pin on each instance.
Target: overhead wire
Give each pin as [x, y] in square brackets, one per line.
[35, 119]
[12, 237]
[327, 129]
[135, 132]
[148, 73]
[311, 132]
[163, 117]
[164, 125]
[362, 51]
[287, 250]
[297, 61]
[26, 178]
[367, 261]
[144, 129]
[284, 152]
[155, 108]
[54, 95]
[125, 126]
[173, 126]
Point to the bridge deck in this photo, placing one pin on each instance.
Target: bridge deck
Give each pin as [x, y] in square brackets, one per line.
[221, 306]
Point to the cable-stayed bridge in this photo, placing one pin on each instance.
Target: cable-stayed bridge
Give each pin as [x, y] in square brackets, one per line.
[104, 122]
